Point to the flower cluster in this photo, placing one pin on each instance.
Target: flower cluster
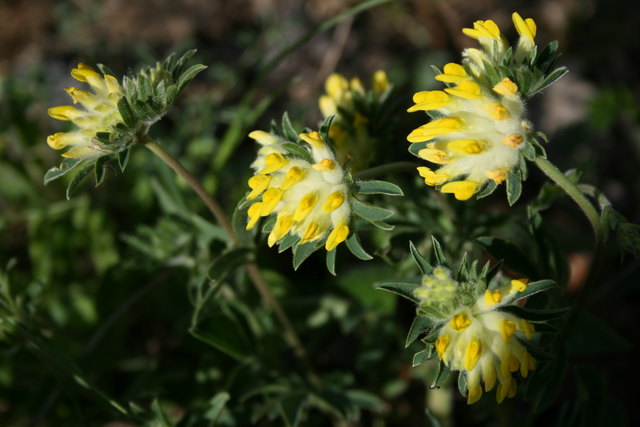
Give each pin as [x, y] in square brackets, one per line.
[476, 336]
[479, 129]
[309, 199]
[350, 130]
[98, 113]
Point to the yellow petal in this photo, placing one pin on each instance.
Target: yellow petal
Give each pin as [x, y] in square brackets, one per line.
[313, 232]
[254, 214]
[380, 82]
[507, 329]
[64, 112]
[506, 87]
[497, 175]
[435, 128]
[474, 394]
[312, 138]
[452, 73]
[460, 322]
[80, 151]
[273, 162]
[496, 111]
[335, 85]
[466, 146]
[429, 100]
[337, 236]
[519, 284]
[324, 165]
[82, 72]
[472, 354]
[258, 183]
[293, 176]
[462, 190]
[431, 177]
[512, 140]
[333, 202]
[492, 297]
[270, 200]
[305, 206]
[434, 155]
[526, 28]
[442, 343]
[466, 89]
[327, 106]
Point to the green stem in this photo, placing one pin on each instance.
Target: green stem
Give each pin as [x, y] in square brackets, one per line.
[261, 285]
[592, 215]
[385, 169]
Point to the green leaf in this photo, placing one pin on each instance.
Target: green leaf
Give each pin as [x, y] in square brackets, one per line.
[404, 289]
[423, 265]
[534, 288]
[291, 408]
[486, 189]
[353, 243]
[302, 252]
[534, 315]
[432, 419]
[369, 212]
[549, 80]
[288, 129]
[79, 177]
[377, 187]
[288, 241]
[513, 257]
[228, 262]
[514, 187]
[216, 406]
[100, 168]
[222, 330]
[419, 326]
[161, 419]
[324, 128]
[66, 166]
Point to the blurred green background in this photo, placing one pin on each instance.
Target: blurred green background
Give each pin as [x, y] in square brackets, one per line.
[107, 279]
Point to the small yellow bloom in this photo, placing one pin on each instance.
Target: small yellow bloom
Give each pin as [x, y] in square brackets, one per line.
[95, 112]
[453, 73]
[462, 190]
[308, 199]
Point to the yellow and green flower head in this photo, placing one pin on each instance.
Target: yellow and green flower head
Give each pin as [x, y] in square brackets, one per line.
[353, 107]
[479, 131]
[308, 197]
[480, 340]
[94, 112]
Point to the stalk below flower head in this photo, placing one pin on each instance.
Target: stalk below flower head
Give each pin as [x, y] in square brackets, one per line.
[352, 105]
[98, 113]
[476, 337]
[479, 128]
[309, 199]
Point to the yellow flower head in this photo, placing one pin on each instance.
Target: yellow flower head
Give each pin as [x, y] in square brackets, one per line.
[97, 112]
[308, 198]
[350, 129]
[480, 132]
[477, 338]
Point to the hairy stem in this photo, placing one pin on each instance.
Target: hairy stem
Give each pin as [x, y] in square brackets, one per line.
[261, 285]
[592, 215]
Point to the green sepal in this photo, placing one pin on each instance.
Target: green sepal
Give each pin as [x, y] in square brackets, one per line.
[382, 225]
[288, 129]
[442, 374]
[127, 113]
[189, 75]
[533, 315]
[404, 289]
[534, 288]
[324, 128]
[514, 186]
[302, 251]
[267, 227]
[462, 383]
[297, 151]
[415, 147]
[123, 159]
[423, 264]
[66, 166]
[353, 243]
[377, 187]
[486, 189]
[288, 241]
[79, 176]
[99, 169]
[331, 261]
[423, 355]
[369, 212]
[547, 81]
[535, 351]
[419, 326]
[438, 252]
